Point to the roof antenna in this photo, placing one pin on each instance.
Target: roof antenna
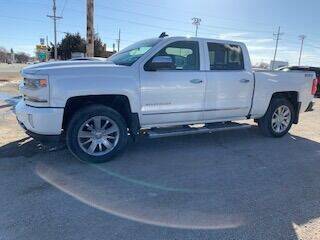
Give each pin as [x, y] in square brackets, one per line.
[163, 35]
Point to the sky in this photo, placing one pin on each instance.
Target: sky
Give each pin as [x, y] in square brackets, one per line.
[24, 22]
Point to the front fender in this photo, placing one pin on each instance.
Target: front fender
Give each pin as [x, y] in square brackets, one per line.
[84, 82]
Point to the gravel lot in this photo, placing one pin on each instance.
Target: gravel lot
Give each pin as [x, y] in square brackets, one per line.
[9, 79]
[228, 185]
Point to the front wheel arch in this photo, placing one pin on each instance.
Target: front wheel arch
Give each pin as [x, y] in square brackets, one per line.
[119, 103]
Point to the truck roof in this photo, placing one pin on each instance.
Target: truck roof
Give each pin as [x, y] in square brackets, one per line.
[206, 39]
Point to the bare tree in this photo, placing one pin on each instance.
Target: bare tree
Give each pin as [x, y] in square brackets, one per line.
[262, 65]
[3, 55]
[22, 57]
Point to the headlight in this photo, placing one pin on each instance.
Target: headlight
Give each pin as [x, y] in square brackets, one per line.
[35, 83]
[35, 90]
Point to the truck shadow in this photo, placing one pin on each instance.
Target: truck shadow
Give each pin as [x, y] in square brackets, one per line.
[237, 185]
[28, 148]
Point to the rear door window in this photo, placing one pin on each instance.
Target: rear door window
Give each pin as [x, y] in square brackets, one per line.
[225, 57]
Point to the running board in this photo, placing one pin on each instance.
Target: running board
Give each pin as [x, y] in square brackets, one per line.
[188, 130]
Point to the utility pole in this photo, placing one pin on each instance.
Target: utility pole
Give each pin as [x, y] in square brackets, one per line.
[90, 29]
[277, 35]
[302, 37]
[12, 56]
[55, 18]
[119, 39]
[196, 22]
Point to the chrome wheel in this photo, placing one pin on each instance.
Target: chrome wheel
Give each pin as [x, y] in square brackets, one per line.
[281, 119]
[98, 135]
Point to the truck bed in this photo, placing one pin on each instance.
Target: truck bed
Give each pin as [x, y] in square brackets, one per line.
[268, 82]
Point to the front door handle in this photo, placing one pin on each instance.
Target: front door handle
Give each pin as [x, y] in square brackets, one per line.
[244, 80]
[196, 81]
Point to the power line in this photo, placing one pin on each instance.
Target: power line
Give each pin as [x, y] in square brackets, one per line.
[237, 29]
[32, 2]
[183, 11]
[105, 38]
[143, 24]
[313, 46]
[149, 25]
[194, 13]
[182, 22]
[24, 19]
[135, 23]
[141, 14]
[64, 7]
[35, 20]
[175, 20]
[153, 26]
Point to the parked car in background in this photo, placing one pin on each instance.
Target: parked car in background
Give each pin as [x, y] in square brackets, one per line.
[305, 68]
[278, 64]
[159, 87]
[34, 62]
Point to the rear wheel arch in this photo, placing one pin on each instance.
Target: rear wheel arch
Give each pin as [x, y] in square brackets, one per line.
[293, 98]
[290, 95]
[274, 118]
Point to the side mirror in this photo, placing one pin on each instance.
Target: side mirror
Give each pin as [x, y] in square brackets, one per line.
[160, 63]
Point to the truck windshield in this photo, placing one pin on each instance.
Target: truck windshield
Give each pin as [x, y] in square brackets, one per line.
[131, 54]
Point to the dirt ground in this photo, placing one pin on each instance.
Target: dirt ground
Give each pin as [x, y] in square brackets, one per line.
[10, 78]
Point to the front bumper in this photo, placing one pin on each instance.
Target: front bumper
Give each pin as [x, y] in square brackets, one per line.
[43, 121]
[42, 138]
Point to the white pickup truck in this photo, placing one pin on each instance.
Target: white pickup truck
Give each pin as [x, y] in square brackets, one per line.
[159, 87]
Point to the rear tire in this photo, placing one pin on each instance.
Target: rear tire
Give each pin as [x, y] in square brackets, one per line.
[96, 134]
[278, 119]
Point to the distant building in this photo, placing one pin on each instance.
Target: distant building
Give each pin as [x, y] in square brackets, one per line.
[104, 53]
[278, 64]
[77, 55]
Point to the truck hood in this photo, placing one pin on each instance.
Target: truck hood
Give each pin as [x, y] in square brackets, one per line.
[45, 68]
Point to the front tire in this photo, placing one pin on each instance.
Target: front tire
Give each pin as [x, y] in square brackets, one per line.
[96, 134]
[278, 119]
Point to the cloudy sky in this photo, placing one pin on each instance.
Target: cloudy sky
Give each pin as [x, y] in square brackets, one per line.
[24, 22]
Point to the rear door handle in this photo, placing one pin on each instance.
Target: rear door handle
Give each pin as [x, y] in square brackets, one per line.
[196, 81]
[244, 80]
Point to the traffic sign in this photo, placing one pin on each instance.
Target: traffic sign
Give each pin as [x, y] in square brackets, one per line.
[42, 56]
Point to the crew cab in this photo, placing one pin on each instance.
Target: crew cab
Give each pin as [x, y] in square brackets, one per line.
[158, 87]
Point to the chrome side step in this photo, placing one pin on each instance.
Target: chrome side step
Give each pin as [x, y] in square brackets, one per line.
[188, 130]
